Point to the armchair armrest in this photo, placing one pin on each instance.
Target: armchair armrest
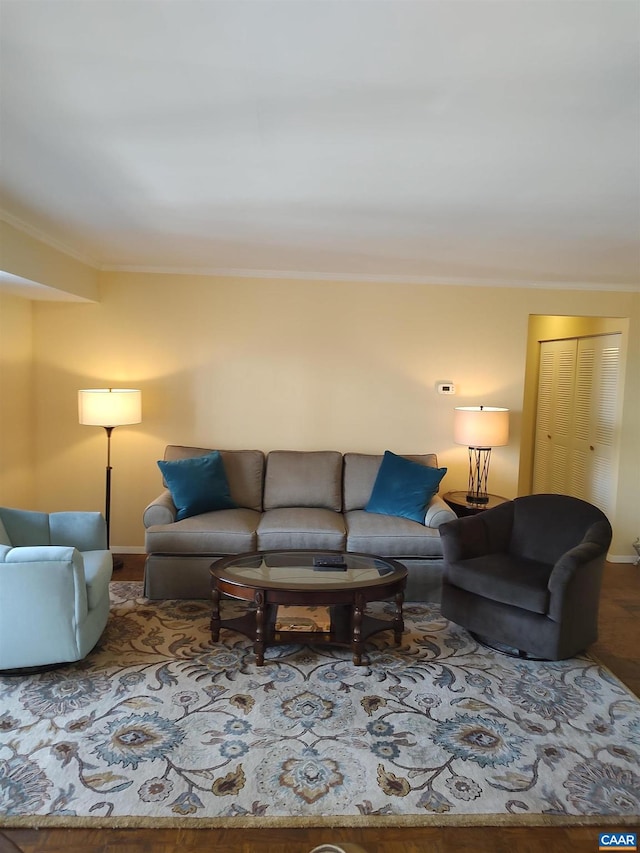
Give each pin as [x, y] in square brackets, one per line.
[48, 573]
[438, 512]
[41, 554]
[583, 565]
[44, 606]
[488, 532]
[162, 510]
[463, 538]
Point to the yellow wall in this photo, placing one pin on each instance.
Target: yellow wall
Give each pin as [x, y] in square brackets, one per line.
[17, 483]
[268, 364]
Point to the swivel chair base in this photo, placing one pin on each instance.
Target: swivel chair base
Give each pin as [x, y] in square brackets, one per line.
[503, 649]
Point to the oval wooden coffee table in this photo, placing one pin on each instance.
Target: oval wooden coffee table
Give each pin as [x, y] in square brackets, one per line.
[341, 582]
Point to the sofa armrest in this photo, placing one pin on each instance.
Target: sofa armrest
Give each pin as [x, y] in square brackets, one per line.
[162, 510]
[438, 512]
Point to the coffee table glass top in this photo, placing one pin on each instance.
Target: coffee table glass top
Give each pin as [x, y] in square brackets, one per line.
[307, 570]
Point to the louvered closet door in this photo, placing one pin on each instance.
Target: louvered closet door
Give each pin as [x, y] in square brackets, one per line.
[552, 457]
[576, 425]
[595, 420]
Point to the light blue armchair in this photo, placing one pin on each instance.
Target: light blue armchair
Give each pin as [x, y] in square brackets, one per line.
[54, 586]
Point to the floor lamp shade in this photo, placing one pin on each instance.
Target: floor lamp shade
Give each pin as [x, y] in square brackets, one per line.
[480, 428]
[109, 408]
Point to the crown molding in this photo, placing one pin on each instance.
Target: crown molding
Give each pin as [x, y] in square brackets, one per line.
[364, 278]
[370, 278]
[19, 225]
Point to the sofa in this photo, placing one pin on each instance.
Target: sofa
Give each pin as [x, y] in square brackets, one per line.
[55, 570]
[295, 499]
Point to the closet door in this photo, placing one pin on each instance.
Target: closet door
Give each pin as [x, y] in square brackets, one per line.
[552, 457]
[577, 419]
[595, 429]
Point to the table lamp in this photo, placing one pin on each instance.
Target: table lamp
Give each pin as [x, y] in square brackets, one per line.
[480, 428]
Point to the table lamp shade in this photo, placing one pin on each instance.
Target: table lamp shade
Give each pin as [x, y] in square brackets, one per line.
[481, 426]
[109, 407]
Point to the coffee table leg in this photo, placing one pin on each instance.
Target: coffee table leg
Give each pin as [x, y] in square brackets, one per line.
[215, 614]
[398, 621]
[258, 645]
[356, 636]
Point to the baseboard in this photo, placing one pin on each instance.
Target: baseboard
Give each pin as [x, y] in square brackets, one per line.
[621, 558]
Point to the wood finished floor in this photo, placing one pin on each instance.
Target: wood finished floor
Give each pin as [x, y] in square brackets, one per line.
[617, 647]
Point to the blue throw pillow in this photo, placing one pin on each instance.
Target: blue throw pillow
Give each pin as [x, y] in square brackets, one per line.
[197, 484]
[404, 488]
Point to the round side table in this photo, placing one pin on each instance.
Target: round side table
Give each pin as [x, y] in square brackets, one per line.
[461, 506]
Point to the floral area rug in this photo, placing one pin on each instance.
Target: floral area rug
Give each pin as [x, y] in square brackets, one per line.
[158, 726]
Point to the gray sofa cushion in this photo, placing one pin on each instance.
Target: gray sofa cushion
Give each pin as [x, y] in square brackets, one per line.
[226, 531]
[244, 470]
[390, 536]
[361, 470]
[301, 527]
[303, 479]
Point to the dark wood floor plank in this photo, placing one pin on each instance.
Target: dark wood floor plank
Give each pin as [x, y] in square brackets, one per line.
[394, 840]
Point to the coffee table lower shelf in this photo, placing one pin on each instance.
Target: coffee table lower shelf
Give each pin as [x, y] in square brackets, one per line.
[345, 630]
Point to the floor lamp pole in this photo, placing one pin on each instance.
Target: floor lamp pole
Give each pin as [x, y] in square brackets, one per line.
[109, 408]
[117, 561]
[107, 497]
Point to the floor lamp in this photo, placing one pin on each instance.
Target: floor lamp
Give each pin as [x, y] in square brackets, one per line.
[480, 428]
[109, 408]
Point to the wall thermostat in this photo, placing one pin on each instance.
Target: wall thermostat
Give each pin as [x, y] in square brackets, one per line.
[446, 388]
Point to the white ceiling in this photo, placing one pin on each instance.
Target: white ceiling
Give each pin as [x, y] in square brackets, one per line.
[480, 141]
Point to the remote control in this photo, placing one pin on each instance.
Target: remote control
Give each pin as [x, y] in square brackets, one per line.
[329, 562]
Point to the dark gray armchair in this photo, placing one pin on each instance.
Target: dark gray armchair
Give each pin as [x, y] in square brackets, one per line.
[525, 576]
